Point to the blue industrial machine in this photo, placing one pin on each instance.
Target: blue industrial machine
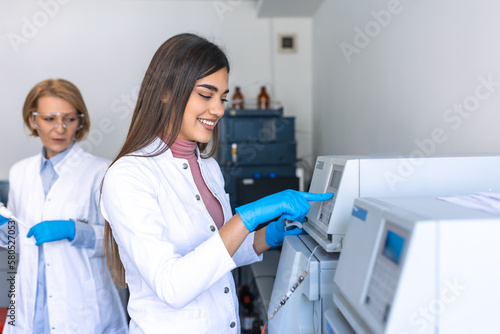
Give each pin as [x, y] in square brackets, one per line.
[257, 153]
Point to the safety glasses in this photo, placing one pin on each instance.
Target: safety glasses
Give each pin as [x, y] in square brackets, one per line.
[51, 121]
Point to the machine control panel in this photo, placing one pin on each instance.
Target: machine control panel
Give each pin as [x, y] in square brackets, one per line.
[333, 187]
[386, 272]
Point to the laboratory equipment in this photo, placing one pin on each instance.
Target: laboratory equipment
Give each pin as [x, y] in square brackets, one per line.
[256, 128]
[303, 311]
[263, 99]
[417, 265]
[251, 189]
[4, 212]
[285, 298]
[257, 153]
[238, 101]
[8, 214]
[294, 287]
[351, 177]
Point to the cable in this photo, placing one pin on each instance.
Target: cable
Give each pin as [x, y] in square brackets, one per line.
[309, 170]
[294, 287]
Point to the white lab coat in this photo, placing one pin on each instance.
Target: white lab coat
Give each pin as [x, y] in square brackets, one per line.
[177, 268]
[81, 297]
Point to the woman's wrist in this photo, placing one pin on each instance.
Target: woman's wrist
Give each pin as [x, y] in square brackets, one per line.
[259, 241]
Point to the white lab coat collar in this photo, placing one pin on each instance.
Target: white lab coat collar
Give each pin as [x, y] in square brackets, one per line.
[71, 160]
[157, 144]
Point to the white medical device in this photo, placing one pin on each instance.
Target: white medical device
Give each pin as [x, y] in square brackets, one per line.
[350, 177]
[303, 311]
[417, 265]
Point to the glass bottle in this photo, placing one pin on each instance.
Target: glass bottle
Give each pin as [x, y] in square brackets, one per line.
[263, 99]
[238, 99]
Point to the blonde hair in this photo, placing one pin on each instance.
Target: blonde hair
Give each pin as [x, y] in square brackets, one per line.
[56, 88]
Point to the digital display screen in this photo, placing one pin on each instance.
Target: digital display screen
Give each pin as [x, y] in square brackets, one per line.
[335, 182]
[393, 246]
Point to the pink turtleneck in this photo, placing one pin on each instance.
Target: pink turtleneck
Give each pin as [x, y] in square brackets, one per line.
[185, 149]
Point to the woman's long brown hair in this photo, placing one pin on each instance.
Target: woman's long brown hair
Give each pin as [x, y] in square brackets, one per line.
[163, 96]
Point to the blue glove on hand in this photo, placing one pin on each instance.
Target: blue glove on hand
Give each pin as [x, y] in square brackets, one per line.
[5, 212]
[3, 220]
[52, 230]
[275, 231]
[290, 202]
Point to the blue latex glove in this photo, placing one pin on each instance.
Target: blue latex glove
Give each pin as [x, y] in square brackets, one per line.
[52, 230]
[4, 211]
[290, 202]
[3, 220]
[275, 231]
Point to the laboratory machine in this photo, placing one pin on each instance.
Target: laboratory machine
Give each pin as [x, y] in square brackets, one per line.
[348, 178]
[257, 153]
[417, 265]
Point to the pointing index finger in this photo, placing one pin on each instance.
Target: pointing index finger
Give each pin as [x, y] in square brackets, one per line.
[317, 197]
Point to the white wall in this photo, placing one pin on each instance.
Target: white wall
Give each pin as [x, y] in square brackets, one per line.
[398, 91]
[104, 47]
[293, 81]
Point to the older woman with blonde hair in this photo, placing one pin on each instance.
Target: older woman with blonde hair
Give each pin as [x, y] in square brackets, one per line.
[54, 197]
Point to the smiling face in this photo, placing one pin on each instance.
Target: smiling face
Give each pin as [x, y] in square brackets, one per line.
[56, 132]
[205, 107]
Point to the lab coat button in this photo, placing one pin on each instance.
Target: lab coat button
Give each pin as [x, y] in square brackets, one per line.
[185, 165]
[198, 197]
[232, 324]
[212, 228]
[226, 289]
